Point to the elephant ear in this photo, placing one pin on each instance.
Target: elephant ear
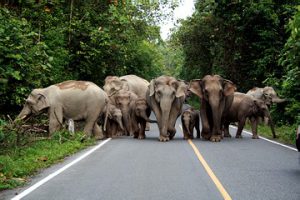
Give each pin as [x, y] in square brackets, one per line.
[152, 87]
[42, 102]
[195, 87]
[181, 89]
[229, 87]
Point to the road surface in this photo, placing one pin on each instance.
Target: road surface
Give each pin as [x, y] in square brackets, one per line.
[129, 169]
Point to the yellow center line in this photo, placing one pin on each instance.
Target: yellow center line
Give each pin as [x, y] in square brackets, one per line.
[210, 172]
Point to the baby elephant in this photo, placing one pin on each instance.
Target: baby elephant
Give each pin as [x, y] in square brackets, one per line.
[141, 113]
[243, 107]
[190, 120]
[113, 125]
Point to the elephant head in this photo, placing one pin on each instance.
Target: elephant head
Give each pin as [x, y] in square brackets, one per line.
[142, 109]
[270, 96]
[36, 103]
[113, 113]
[113, 84]
[166, 96]
[216, 96]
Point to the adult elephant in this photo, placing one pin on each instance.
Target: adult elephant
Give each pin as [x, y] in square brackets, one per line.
[133, 83]
[165, 97]
[216, 96]
[243, 107]
[77, 100]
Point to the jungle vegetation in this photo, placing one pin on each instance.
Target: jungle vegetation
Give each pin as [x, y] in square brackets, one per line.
[42, 42]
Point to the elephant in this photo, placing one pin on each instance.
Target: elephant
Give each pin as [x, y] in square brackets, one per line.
[113, 124]
[124, 100]
[216, 95]
[132, 83]
[243, 107]
[141, 112]
[267, 94]
[190, 119]
[165, 97]
[76, 100]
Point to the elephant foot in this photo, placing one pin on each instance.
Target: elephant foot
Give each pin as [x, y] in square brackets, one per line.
[227, 135]
[239, 136]
[206, 136]
[215, 138]
[141, 137]
[186, 137]
[164, 138]
[255, 137]
[100, 137]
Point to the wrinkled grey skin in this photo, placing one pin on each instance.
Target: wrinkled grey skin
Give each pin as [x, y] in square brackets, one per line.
[165, 97]
[267, 94]
[190, 119]
[77, 100]
[141, 113]
[243, 107]
[216, 95]
[131, 83]
[113, 123]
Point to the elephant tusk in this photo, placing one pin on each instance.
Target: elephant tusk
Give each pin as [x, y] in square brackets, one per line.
[23, 117]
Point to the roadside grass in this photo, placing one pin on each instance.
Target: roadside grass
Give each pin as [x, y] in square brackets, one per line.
[285, 134]
[19, 163]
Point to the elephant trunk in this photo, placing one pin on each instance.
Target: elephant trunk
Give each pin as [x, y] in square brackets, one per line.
[165, 108]
[216, 114]
[187, 125]
[25, 113]
[120, 123]
[145, 117]
[278, 100]
[127, 122]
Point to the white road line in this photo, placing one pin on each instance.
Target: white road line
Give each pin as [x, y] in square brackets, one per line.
[49, 177]
[274, 142]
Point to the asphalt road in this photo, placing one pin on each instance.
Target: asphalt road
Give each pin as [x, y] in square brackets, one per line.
[126, 168]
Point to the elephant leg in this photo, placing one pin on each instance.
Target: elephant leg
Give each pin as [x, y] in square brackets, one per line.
[142, 129]
[185, 132]
[197, 128]
[55, 120]
[254, 121]
[97, 132]
[226, 130]
[89, 126]
[147, 126]
[191, 135]
[205, 132]
[240, 128]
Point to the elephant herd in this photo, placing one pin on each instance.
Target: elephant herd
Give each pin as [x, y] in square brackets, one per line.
[124, 105]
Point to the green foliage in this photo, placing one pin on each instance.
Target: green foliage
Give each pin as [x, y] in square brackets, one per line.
[17, 162]
[251, 43]
[290, 61]
[285, 133]
[45, 43]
